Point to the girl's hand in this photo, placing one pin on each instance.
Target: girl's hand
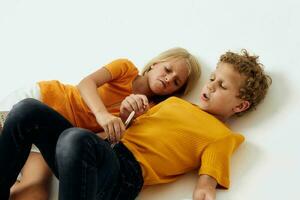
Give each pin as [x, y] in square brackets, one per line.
[112, 125]
[102, 135]
[134, 102]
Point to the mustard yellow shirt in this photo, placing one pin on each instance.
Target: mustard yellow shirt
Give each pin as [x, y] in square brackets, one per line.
[175, 137]
[67, 100]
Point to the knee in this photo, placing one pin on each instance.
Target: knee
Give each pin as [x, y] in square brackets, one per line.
[24, 109]
[26, 104]
[72, 144]
[20, 117]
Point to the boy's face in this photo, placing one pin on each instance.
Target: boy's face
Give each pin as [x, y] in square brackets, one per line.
[219, 95]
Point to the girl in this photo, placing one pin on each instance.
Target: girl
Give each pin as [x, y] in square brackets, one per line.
[95, 103]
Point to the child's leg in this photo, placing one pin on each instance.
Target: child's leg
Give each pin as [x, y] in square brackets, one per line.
[87, 166]
[36, 177]
[28, 122]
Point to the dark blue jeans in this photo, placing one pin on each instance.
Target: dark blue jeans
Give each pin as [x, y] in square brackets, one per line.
[86, 166]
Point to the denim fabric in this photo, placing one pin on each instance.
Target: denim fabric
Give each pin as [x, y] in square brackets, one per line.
[87, 167]
[28, 122]
[131, 175]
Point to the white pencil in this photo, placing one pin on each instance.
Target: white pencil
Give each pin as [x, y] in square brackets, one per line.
[127, 122]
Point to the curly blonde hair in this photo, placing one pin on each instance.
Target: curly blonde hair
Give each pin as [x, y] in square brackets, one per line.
[256, 83]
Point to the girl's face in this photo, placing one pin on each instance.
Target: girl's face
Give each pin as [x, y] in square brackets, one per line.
[167, 77]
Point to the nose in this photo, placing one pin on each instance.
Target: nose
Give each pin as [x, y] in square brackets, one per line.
[166, 79]
[169, 78]
[211, 87]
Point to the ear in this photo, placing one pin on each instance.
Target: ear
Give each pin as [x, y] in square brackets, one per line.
[244, 105]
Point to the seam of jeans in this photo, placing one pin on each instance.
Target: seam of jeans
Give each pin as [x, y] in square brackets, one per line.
[83, 185]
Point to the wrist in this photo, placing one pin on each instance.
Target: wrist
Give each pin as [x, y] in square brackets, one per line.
[207, 181]
[101, 114]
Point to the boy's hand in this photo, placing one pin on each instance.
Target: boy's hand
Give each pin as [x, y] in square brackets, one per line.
[134, 102]
[204, 194]
[112, 125]
[205, 188]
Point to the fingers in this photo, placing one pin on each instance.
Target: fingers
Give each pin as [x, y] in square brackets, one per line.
[102, 135]
[126, 106]
[145, 102]
[117, 133]
[110, 132]
[113, 127]
[136, 102]
[116, 128]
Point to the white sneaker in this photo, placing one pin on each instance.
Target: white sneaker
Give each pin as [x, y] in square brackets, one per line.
[3, 115]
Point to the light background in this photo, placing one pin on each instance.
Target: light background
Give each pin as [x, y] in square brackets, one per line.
[67, 40]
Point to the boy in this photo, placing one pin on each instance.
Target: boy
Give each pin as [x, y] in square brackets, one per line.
[170, 139]
[171, 142]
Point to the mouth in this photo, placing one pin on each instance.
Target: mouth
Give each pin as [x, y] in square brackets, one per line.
[204, 97]
[163, 83]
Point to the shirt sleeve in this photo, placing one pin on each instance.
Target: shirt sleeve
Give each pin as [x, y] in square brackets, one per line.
[121, 68]
[215, 159]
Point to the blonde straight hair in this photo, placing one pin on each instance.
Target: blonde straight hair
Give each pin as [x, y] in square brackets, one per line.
[176, 54]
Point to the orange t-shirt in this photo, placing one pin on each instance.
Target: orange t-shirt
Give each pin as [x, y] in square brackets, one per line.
[168, 143]
[66, 99]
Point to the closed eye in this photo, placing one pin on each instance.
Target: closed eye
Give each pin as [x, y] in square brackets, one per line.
[212, 77]
[167, 69]
[222, 86]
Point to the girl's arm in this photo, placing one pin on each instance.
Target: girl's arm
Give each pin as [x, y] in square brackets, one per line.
[205, 188]
[112, 125]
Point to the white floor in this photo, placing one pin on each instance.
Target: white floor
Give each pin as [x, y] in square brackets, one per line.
[161, 192]
[67, 39]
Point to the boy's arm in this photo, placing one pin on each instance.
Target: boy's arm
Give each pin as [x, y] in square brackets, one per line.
[205, 188]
